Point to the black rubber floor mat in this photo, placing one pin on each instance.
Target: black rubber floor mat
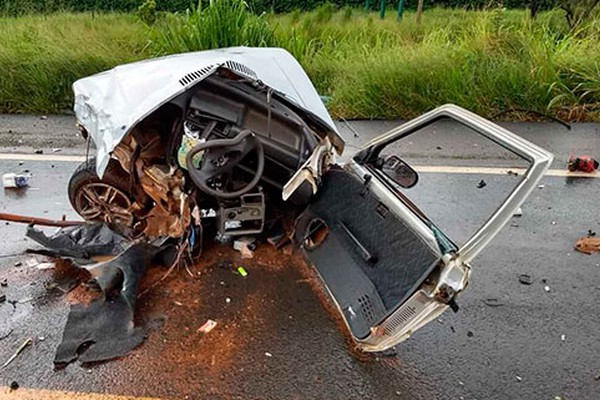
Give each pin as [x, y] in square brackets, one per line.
[79, 243]
[105, 329]
[101, 331]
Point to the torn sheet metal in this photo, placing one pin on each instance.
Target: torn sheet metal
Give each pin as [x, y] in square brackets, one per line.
[79, 243]
[105, 329]
[110, 103]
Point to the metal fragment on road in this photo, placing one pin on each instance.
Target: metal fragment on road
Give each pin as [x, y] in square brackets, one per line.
[493, 302]
[27, 342]
[525, 279]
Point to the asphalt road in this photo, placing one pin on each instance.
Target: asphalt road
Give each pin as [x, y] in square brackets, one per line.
[275, 338]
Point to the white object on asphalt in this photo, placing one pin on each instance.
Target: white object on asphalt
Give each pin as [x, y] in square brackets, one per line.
[12, 180]
[45, 265]
[208, 326]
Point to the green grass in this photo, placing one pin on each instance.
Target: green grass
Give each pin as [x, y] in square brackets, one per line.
[486, 61]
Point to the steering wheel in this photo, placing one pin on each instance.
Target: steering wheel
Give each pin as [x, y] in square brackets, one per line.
[221, 156]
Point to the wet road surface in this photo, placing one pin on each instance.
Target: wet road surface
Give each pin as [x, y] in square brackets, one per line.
[277, 337]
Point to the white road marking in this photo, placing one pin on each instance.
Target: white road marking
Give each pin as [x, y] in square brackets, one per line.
[40, 157]
[424, 168]
[47, 394]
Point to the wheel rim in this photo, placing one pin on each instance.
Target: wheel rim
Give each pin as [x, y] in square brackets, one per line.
[97, 201]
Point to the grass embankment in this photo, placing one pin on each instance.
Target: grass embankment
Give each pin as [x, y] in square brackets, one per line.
[487, 61]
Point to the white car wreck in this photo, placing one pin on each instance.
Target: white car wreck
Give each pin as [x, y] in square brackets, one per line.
[214, 143]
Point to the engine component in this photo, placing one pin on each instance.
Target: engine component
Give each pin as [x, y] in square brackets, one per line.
[245, 218]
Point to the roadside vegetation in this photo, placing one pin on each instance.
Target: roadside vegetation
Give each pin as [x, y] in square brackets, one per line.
[487, 60]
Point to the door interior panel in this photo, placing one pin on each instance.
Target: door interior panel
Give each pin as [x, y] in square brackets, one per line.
[370, 260]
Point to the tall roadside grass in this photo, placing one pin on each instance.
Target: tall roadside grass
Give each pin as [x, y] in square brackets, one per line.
[41, 56]
[223, 23]
[487, 61]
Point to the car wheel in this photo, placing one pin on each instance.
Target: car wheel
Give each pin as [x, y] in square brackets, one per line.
[101, 200]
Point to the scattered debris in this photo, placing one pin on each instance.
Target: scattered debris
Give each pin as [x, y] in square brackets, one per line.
[268, 354]
[178, 303]
[25, 300]
[208, 326]
[277, 235]
[26, 343]
[588, 245]
[246, 245]
[512, 173]
[493, 302]
[45, 265]
[525, 279]
[4, 282]
[32, 262]
[15, 181]
[591, 233]
[582, 163]
[481, 184]
[242, 272]
[518, 213]
[2, 298]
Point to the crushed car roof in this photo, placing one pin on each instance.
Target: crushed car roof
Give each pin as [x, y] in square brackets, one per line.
[110, 103]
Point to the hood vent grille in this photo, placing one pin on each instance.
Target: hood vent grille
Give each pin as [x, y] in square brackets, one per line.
[194, 76]
[241, 69]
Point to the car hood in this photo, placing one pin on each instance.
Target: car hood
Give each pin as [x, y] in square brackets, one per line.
[109, 104]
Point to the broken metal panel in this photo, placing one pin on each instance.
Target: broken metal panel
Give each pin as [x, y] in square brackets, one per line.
[109, 104]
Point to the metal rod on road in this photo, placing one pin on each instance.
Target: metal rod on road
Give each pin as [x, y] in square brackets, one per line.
[24, 219]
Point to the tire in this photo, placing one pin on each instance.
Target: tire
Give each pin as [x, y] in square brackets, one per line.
[111, 199]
